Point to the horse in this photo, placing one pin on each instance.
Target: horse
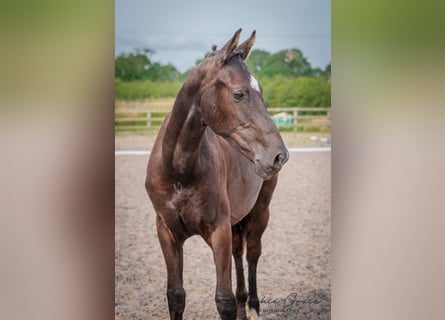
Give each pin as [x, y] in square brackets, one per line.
[212, 172]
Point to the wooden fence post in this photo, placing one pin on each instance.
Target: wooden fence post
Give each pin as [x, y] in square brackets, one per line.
[295, 116]
[148, 119]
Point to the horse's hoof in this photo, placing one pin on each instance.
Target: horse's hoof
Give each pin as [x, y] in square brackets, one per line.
[252, 314]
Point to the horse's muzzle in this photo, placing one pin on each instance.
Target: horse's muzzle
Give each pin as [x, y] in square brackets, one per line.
[267, 170]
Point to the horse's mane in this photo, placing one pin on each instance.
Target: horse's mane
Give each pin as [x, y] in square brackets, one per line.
[211, 53]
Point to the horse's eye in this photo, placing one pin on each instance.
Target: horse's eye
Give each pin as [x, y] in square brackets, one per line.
[238, 95]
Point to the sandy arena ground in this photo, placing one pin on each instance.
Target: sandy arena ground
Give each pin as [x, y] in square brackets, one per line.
[294, 269]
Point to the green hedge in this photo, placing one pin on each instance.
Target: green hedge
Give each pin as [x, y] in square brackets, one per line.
[143, 89]
[278, 91]
[283, 92]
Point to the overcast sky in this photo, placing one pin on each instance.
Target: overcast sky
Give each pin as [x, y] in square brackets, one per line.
[180, 32]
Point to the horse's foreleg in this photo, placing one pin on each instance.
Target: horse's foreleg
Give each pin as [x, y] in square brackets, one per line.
[238, 241]
[220, 240]
[172, 250]
[257, 226]
[259, 218]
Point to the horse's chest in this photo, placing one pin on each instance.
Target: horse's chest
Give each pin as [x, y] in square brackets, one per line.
[184, 199]
[191, 208]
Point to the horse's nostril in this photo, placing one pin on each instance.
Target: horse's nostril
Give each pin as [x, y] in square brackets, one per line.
[279, 160]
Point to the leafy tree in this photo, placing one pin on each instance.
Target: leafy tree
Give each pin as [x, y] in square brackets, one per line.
[257, 59]
[317, 72]
[287, 63]
[159, 72]
[281, 91]
[327, 71]
[132, 66]
[138, 66]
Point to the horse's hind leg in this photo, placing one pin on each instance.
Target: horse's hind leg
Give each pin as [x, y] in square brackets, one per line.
[259, 217]
[173, 254]
[238, 242]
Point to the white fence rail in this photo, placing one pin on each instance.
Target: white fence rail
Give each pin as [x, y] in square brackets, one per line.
[291, 118]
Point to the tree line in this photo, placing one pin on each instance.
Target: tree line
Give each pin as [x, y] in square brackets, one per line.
[287, 78]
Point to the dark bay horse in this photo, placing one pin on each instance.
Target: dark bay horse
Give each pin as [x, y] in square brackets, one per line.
[212, 172]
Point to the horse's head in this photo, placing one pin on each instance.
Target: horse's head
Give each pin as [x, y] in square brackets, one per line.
[232, 105]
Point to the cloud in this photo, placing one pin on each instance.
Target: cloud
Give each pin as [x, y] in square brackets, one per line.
[176, 42]
[162, 42]
[179, 49]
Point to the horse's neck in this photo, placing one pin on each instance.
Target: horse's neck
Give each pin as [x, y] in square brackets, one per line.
[183, 135]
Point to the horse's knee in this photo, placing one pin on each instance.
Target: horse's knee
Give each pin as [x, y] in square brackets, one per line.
[241, 296]
[176, 300]
[226, 306]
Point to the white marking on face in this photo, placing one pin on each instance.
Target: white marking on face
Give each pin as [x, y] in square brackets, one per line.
[254, 83]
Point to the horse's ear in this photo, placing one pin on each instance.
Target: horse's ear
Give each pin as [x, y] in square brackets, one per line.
[245, 47]
[230, 46]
